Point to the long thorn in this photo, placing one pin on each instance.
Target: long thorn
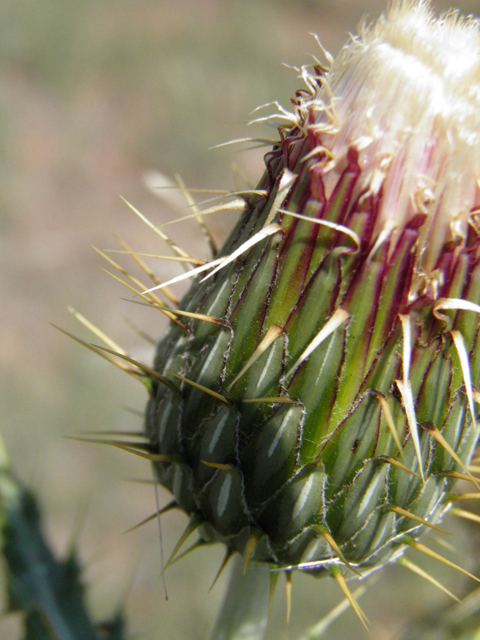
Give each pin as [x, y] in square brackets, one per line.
[130, 448]
[338, 552]
[160, 532]
[412, 516]
[141, 332]
[206, 233]
[133, 412]
[180, 312]
[244, 194]
[265, 232]
[274, 400]
[408, 564]
[96, 331]
[460, 476]
[267, 142]
[146, 269]
[436, 556]
[389, 420]
[467, 515]
[147, 370]
[399, 465]
[286, 182]
[249, 549]
[214, 394]
[338, 575]
[233, 205]
[405, 388]
[159, 232]
[118, 434]
[326, 223]
[465, 366]
[218, 465]
[193, 261]
[433, 431]
[184, 276]
[464, 496]
[154, 516]
[146, 481]
[150, 300]
[191, 527]
[288, 593]
[272, 334]
[271, 592]
[339, 317]
[100, 352]
[318, 629]
[228, 555]
[196, 545]
[140, 286]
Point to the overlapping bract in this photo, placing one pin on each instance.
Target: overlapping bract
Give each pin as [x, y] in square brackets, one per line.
[315, 453]
[322, 416]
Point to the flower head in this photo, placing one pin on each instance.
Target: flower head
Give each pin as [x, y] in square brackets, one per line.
[323, 412]
[406, 95]
[312, 402]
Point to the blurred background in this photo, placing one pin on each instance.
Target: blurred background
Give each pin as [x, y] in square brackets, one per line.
[93, 93]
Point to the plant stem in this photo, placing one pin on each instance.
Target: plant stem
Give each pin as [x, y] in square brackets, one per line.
[244, 613]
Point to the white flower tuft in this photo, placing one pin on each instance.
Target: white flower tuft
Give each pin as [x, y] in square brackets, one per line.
[406, 94]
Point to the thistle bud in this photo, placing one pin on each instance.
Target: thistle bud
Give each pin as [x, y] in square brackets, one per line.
[315, 401]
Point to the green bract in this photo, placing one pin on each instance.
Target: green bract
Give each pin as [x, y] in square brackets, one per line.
[313, 412]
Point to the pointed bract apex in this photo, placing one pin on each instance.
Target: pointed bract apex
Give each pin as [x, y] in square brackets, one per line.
[338, 575]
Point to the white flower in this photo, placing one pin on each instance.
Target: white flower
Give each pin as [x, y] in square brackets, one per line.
[406, 94]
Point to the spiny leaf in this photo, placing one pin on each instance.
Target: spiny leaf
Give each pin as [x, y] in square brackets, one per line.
[48, 591]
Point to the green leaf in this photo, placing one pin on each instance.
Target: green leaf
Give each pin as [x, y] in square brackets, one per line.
[48, 590]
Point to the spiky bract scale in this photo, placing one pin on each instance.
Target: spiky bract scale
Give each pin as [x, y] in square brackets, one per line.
[347, 307]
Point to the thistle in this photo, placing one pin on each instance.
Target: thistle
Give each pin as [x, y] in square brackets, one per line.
[312, 402]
